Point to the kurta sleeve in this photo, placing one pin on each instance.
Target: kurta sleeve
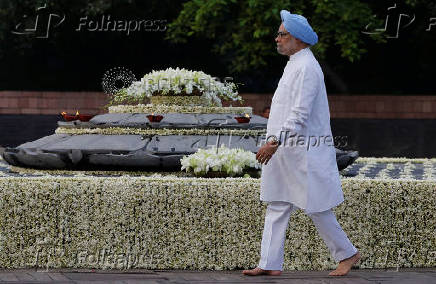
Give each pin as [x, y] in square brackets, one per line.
[306, 86]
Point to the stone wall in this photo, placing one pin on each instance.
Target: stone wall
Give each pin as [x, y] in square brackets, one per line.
[372, 106]
[24, 102]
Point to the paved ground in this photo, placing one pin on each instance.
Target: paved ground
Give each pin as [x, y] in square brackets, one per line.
[413, 276]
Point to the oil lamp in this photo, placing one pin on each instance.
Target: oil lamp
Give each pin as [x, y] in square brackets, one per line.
[243, 119]
[154, 118]
[69, 117]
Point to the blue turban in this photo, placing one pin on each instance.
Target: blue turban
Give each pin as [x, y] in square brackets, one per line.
[299, 27]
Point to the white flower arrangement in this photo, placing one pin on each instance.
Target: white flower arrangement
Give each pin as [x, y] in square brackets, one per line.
[229, 161]
[179, 82]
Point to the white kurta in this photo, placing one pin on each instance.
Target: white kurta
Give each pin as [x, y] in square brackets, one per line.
[303, 170]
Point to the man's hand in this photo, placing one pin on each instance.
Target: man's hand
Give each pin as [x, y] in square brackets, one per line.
[266, 151]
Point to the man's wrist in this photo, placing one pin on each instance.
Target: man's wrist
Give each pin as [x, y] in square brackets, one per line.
[273, 140]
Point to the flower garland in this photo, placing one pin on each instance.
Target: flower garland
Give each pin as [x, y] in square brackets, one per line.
[385, 173]
[95, 173]
[366, 169]
[178, 100]
[150, 108]
[179, 82]
[393, 160]
[429, 171]
[229, 161]
[158, 131]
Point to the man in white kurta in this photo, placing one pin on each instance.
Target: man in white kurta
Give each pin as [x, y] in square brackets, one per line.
[300, 170]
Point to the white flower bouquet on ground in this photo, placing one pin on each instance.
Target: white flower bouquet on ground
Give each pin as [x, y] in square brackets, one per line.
[221, 162]
[179, 82]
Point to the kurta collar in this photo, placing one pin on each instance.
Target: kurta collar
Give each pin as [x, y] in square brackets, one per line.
[299, 54]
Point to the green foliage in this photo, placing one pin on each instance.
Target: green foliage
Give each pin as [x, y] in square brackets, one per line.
[11, 13]
[244, 30]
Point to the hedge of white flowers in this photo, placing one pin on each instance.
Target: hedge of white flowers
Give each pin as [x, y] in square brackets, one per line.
[230, 162]
[179, 82]
[160, 109]
[199, 223]
[158, 131]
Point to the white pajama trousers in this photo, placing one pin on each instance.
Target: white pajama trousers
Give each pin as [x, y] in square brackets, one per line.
[274, 233]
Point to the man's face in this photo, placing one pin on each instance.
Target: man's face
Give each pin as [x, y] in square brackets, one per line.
[286, 44]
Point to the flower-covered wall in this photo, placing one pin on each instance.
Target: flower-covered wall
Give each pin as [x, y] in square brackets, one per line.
[196, 223]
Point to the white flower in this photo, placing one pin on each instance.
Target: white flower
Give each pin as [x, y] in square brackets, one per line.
[231, 161]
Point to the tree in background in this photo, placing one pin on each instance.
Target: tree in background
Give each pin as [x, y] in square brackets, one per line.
[244, 31]
[220, 37]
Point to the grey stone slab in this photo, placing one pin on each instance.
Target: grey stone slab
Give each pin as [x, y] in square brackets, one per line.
[216, 119]
[174, 120]
[191, 143]
[105, 143]
[35, 159]
[110, 118]
[138, 159]
[124, 150]
[229, 120]
[47, 140]
[257, 119]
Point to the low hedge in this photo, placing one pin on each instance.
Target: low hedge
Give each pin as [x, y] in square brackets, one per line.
[198, 223]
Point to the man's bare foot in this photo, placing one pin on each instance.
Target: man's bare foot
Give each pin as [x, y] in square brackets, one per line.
[345, 265]
[259, 271]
